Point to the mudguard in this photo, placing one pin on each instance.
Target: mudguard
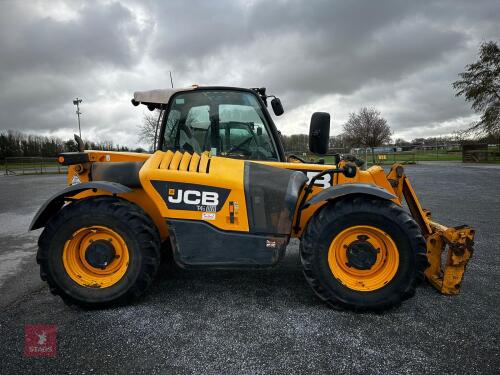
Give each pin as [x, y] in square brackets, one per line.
[54, 203]
[348, 189]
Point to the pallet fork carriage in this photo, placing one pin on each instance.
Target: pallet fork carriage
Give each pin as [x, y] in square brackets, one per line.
[444, 274]
[220, 192]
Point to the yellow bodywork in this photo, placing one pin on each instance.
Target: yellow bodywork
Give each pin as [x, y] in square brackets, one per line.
[229, 173]
[224, 173]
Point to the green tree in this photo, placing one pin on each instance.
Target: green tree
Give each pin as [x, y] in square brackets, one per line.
[401, 142]
[70, 146]
[480, 84]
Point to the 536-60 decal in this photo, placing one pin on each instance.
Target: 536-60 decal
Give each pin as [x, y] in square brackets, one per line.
[324, 181]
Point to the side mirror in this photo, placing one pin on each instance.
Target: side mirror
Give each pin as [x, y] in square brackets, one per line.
[79, 142]
[319, 133]
[277, 107]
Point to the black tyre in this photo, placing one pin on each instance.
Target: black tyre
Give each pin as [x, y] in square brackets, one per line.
[363, 253]
[99, 251]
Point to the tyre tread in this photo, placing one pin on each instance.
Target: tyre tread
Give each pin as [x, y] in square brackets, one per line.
[142, 227]
[336, 209]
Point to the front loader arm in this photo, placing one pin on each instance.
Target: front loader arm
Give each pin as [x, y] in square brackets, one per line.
[446, 276]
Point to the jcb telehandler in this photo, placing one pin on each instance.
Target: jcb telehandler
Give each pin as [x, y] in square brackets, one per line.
[220, 192]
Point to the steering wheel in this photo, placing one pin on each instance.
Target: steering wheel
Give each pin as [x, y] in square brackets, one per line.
[240, 145]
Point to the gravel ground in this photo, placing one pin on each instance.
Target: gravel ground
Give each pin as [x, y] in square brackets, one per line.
[265, 321]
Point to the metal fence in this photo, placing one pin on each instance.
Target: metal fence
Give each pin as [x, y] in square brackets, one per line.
[481, 156]
[31, 165]
[393, 157]
[408, 157]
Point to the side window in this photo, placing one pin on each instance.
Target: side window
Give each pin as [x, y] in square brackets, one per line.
[232, 136]
[198, 124]
[198, 116]
[188, 133]
[243, 134]
[171, 126]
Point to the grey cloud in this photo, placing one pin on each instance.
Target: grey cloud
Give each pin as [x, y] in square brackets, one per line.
[99, 36]
[334, 47]
[399, 56]
[45, 62]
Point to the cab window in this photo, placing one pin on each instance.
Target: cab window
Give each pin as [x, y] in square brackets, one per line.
[227, 123]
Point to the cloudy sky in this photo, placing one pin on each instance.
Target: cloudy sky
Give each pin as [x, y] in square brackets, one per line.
[336, 56]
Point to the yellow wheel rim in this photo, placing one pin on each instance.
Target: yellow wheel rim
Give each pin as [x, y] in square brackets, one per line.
[82, 271]
[374, 268]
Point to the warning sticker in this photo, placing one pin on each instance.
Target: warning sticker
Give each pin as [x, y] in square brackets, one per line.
[271, 244]
[208, 215]
[75, 180]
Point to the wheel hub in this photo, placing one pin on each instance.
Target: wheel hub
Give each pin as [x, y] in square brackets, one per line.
[100, 253]
[361, 254]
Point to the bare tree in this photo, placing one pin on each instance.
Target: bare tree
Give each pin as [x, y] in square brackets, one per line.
[147, 130]
[480, 84]
[367, 129]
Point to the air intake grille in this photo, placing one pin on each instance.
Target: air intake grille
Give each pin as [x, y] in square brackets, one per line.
[184, 161]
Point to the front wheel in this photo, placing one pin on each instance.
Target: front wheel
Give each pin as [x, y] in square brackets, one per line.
[363, 253]
[98, 251]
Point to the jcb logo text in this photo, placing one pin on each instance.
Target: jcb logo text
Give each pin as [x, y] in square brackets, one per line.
[194, 197]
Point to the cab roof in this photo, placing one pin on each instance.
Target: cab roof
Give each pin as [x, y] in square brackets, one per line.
[161, 96]
[156, 98]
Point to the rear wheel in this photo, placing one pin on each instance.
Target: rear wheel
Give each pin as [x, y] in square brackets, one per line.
[363, 253]
[98, 251]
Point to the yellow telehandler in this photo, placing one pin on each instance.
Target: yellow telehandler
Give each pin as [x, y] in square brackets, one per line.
[220, 192]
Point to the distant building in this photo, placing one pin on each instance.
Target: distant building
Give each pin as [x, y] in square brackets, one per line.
[378, 150]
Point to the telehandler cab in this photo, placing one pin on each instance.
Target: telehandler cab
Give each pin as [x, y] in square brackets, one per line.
[220, 192]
